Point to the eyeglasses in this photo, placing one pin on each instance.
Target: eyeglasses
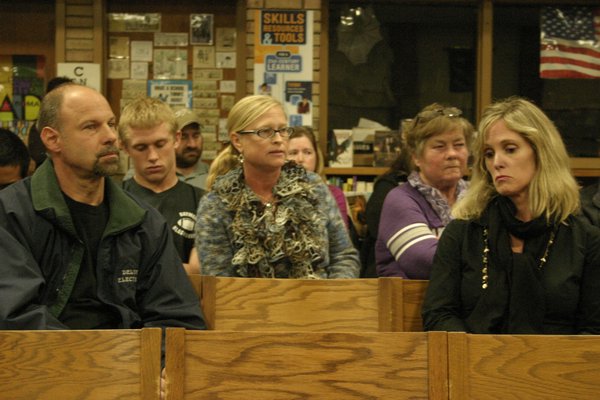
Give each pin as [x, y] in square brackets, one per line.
[426, 116]
[267, 133]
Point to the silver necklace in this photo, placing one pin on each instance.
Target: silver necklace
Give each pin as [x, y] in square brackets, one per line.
[486, 251]
[267, 201]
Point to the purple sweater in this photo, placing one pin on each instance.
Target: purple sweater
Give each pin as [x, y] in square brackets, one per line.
[408, 234]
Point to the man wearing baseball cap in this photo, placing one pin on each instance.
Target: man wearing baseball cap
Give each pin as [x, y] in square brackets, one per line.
[190, 168]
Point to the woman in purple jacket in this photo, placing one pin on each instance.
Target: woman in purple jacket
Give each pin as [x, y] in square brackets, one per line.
[415, 213]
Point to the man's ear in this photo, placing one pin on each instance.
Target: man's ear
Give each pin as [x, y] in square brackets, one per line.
[51, 139]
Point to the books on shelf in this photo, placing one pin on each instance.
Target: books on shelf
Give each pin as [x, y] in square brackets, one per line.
[351, 184]
[354, 147]
[387, 146]
[362, 139]
[341, 149]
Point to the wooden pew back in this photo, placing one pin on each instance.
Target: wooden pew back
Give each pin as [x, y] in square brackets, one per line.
[80, 365]
[299, 365]
[247, 304]
[548, 367]
[339, 305]
[408, 301]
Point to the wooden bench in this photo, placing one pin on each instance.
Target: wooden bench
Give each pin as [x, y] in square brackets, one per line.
[548, 367]
[80, 365]
[336, 305]
[408, 301]
[302, 365]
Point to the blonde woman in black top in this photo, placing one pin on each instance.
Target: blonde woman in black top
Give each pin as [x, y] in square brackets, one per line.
[517, 259]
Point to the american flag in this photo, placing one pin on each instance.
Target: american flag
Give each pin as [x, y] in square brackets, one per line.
[570, 42]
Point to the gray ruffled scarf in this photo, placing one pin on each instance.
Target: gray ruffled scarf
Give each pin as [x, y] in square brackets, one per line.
[280, 240]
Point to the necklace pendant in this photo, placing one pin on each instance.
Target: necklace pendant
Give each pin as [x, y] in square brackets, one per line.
[486, 250]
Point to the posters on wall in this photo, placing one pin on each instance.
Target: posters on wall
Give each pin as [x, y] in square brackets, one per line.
[225, 39]
[201, 29]
[283, 61]
[21, 90]
[170, 39]
[193, 68]
[176, 93]
[125, 22]
[141, 50]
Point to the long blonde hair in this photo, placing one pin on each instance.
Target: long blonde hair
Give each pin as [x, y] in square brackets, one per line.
[553, 191]
[242, 114]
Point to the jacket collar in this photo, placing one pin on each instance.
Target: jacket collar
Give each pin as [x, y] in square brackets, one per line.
[48, 200]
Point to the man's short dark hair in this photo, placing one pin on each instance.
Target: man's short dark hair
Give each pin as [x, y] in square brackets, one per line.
[13, 151]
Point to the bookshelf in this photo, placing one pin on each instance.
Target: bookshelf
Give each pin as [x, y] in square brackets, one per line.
[359, 171]
[586, 167]
[582, 167]
[359, 179]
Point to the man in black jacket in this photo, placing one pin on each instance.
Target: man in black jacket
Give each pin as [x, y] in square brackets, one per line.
[77, 251]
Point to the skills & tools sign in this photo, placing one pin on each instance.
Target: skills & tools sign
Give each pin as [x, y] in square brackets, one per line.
[283, 60]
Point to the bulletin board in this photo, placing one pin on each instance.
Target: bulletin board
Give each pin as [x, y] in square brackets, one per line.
[184, 56]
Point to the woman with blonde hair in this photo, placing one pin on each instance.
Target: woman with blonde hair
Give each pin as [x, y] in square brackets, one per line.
[264, 216]
[517, 259]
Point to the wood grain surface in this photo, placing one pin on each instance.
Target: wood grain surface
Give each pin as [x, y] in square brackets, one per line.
[408, 315]
[81, 365]
[302, 365]
[342, 305]
[246, 304]
[524, 367]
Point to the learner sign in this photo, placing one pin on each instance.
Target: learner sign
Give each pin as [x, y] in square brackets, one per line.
[285, 63]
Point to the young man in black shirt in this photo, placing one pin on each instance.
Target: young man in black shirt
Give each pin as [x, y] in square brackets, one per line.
[150, 136]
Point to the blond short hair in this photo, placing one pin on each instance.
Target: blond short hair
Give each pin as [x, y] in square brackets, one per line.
[242, 114]
[145, 113]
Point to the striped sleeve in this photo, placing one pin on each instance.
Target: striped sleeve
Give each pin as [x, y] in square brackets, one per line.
[408, 236]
